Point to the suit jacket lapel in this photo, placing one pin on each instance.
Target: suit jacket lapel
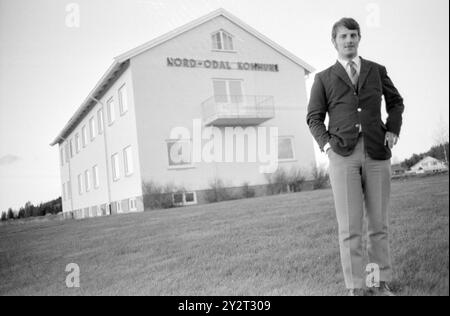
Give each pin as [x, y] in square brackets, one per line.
[365, 69]
[341, 73]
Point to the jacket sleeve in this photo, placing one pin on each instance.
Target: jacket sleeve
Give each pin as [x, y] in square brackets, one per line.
[394, 104]
[317, 110]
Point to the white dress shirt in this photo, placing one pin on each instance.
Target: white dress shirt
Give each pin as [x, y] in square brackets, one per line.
[346, 65]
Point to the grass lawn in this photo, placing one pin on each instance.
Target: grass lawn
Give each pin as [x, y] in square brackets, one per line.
[276, 245]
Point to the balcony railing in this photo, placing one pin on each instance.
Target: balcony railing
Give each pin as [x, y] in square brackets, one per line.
[229, 110]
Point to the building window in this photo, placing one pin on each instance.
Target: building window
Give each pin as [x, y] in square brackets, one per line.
[95, 176]
[66, 149]
[92, 131]
[222, 40]
[184, 198]
[179, 153]
[132, 205]
[119, 207]
[128, 161]
[123, 100]
[286, 148]
[80, 184]
[77, 143]
[61, 155]
[95, 211]
[71, 148]
[110, 110]
[177, 198]
[84, 136]
[87, 178]
[100, 121]
[64, 191]
[228, 91]
[115, 167]
[190, 197]
[69, 190]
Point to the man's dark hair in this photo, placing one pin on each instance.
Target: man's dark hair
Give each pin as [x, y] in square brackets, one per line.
[348, 23]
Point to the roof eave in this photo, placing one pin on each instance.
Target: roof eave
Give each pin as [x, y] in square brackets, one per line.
[111, 70]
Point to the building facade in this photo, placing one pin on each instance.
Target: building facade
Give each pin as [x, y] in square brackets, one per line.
[429, 165]
[211, 100]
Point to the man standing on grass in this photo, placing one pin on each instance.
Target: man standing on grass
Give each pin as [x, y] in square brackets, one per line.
[358, 145]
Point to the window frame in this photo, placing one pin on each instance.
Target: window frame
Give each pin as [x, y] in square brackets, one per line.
[80, 184]
[92, 129]
[123, 97]
[69, 190]
[100, 121]
[294, 158]
[61, 154]
[77, 143]
[190, 165]
[119, 208]
[71, 148]
[222, 33]
[128, 161]
[95, 177]
[66, 152]
[184, 202]
[87, 179]
[84, 136]
[115, 167]
[110, 109]
[64, 191]
[133, 209]
[228, 94]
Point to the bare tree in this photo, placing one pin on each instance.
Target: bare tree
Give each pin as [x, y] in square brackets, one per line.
[441, 136]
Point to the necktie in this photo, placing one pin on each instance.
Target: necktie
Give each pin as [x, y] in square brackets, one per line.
[353, 73]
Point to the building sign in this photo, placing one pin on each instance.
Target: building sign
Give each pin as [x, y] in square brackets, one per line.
[218, 64]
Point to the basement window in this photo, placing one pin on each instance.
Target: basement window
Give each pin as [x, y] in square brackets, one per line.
[184, 198]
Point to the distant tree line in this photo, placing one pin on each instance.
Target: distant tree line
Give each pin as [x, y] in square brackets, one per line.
[435, 152]
[30, 210]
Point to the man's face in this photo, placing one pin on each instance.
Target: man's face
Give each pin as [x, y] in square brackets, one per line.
[346, 42]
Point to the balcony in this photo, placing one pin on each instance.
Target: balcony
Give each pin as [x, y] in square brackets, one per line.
[238, 110]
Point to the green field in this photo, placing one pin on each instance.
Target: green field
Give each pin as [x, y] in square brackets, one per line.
[275, 245]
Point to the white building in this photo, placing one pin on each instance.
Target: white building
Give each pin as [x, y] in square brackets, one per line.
[215, 69]
[429, 164]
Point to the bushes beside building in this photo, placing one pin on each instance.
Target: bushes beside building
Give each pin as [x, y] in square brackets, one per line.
[321, 178]
[282, 181]
[164, 196]
[157, 196]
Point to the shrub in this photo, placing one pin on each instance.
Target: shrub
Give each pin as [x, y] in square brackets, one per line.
[218, 192]
[282, 181]
[277, 182]
[247, 192]
[320, 176]
[3, 216]
[156, 196]
[295, 179]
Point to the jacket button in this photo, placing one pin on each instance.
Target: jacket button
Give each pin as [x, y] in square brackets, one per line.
[357, 125]
[359, 109]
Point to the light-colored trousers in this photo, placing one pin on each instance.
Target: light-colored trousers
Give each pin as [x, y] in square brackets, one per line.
[358, 180]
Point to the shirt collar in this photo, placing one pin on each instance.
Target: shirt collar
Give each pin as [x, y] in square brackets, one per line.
[345, 62]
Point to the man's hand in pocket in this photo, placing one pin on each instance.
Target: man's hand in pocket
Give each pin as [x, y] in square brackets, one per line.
[390, 139]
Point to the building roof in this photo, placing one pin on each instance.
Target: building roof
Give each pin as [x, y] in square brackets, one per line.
[121, 62]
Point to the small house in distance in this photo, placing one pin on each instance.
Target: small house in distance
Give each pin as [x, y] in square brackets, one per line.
[429, 165]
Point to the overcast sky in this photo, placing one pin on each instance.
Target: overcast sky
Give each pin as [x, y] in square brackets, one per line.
[47, 68]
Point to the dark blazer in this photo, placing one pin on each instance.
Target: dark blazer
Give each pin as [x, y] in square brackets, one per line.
[334, 93]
